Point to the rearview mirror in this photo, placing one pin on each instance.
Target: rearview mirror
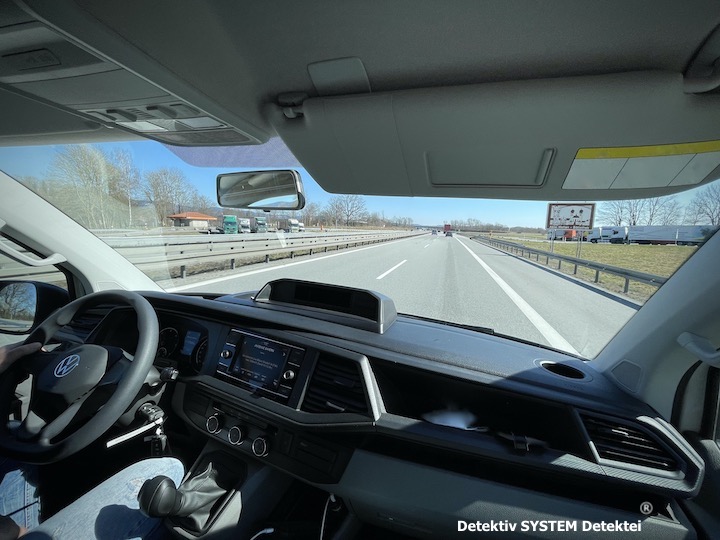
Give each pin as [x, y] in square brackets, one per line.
[261, 190]
[25, 304]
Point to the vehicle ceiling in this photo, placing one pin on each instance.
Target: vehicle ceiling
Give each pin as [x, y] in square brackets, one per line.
[231, 59]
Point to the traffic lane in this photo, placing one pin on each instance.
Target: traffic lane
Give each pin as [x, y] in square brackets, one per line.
[442, 282]
[348, 267]
[587, 318]
[437, 280]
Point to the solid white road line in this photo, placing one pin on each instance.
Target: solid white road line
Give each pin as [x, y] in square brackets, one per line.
[261, 270]
[426, 245]
[553, 336]
[398, 265]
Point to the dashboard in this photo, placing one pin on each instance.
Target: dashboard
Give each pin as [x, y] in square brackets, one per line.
[378, 416]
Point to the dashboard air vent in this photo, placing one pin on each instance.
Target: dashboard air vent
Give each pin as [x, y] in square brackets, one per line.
[625, 443]
[82, 325]
[336, 386]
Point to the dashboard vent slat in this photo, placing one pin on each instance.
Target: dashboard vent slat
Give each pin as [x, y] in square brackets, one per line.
[336, 386]
[625, 443]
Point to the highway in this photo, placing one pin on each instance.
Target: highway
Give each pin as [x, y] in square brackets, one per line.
[458, 280]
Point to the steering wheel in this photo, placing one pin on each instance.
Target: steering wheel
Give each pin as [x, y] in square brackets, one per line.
[77, 393]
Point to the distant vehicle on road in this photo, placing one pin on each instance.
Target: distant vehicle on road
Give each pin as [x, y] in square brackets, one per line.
[447, 228]
[244, 225]
[259, 225]
[301, 227]
[290, 225]
[230, 225]
[434, 231]
[448, 233]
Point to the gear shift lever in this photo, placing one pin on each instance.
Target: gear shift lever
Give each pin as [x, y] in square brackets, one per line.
[193, 500]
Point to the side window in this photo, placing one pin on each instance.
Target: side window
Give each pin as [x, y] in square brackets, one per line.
[11, 270]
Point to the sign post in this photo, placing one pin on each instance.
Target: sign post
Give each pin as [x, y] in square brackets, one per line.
[578, 217]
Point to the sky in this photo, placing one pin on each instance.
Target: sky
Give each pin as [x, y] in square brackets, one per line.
[149, 155]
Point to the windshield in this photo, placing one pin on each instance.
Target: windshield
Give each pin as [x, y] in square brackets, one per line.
[533, 271]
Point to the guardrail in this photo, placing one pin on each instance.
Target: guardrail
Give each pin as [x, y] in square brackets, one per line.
[526, 252]
[181, 253]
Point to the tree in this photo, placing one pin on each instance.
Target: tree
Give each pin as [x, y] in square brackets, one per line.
[169, 191]
[124, 181]
[663, 211]
[705, 206]
[612, 213]
[310, 214]
[352, 208]
[84, 171]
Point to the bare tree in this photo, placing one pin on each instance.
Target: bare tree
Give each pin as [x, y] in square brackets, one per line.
[124, 181]
[169, 191]
[612, 212]
[662, 211]
[346, 209]
[310, 213]
[635, 211]
[705, 206]
[84, 171]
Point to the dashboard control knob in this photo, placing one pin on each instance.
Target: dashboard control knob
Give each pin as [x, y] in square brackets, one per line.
[214, 423]
[236, 435]
[226, 353]
[260, 447]
[289, 375]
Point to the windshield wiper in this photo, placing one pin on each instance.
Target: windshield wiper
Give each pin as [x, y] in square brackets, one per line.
[481, 329]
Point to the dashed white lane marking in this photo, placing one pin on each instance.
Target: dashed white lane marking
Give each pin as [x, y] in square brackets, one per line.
[398, 265]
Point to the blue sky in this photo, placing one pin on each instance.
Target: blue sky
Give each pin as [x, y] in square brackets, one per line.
[148, 155]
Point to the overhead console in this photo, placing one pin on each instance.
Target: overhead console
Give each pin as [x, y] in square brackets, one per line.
[49, 67]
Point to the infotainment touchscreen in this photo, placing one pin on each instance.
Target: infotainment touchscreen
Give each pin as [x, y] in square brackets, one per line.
[261, 362]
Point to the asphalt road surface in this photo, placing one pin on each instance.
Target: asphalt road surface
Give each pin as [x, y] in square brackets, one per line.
[458, 280]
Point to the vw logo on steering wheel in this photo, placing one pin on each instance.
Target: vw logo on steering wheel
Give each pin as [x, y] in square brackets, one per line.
[67, 364]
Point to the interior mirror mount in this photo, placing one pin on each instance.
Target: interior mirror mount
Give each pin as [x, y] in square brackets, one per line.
[261, 190]
[25, 304]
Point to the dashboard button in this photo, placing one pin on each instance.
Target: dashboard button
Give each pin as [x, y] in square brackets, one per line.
[214, 423]
[289, 375]
[236, 435]
[226, 353]
[260, 447]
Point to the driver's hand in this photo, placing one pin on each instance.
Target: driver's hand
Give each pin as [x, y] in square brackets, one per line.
[10, 353]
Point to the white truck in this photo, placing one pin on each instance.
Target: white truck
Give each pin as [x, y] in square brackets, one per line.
[682, 235]
[600, 235]
[243, 225]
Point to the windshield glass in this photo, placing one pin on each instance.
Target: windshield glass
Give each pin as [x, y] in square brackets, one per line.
[493, 264]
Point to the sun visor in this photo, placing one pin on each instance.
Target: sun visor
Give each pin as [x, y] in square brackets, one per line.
[505, 140]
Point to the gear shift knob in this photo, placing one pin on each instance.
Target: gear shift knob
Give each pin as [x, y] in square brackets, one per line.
[158, 497]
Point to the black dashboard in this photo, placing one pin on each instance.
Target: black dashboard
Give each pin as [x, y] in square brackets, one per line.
[336, 406]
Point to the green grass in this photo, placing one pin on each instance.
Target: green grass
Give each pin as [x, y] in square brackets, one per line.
[658, 260]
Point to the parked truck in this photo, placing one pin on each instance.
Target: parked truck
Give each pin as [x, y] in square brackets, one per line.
[244, 225]
[683, 235]
[290, 225]
[259, 225]
[230, 225]
[600, 234]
